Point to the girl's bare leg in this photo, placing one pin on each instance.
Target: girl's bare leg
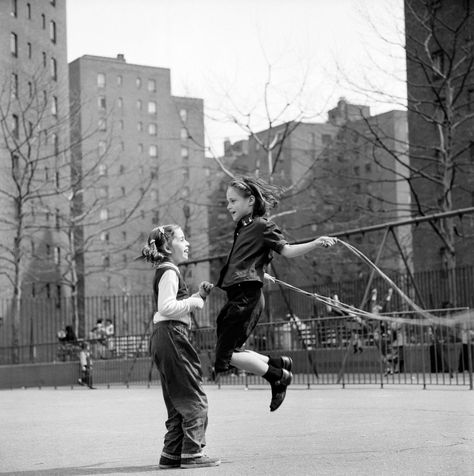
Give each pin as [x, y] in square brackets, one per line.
[250, 362]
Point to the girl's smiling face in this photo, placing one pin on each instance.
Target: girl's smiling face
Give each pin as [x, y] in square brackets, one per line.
[179, 247]
[238, 205]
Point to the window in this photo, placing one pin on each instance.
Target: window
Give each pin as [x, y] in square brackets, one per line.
[104, 214]
[57, 219]
[104, 236]
[43, 21]
[184, 133]
[53, 2]
[102, 170]
[44, 59]
[101, 80]
[53, 69]
[152, 129]
[183, 114]
[437, 64]
[101, 148]
[29, 50]
[122, 169]
[106, 261]
[52, 31]
[151, 107]
[153, 151]
[45, 98]
[356, 171]
[121, 125]
[368, 167]
[30, 89]
[470, 99]
[14, 8]
[28, 11]
[46, 178]
[139, 126]
[119, 80]
[120, 103]
[124, 192]
[14, 44]
[58, 181]
[154, 195]
[55, 144]
[102, 124]
[54, 106]
[140, 148]
[184, 152]
[138, 83]
[101, 102]
[14, 85]
[122, 146]
[151, 85]
[139, 105]
[15, 126]
[326, 139]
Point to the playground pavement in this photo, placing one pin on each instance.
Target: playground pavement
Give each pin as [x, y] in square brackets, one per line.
[325, 430]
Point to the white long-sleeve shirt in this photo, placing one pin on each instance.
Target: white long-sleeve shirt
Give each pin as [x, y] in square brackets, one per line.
[169, 308]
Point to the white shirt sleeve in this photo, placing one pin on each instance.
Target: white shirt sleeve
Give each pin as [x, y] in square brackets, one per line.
[168, 306]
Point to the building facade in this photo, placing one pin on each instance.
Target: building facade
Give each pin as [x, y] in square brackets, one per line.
[440, 85]
[139, 162]
[34, 147]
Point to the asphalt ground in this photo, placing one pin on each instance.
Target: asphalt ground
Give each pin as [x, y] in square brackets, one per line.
[321, 431]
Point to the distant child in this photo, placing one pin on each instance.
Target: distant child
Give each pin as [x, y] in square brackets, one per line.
[175, 357]
[86, 365]
[255, 238]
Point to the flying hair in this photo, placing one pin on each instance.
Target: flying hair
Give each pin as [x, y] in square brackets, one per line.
[266, 195]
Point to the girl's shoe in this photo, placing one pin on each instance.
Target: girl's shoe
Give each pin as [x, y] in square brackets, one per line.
[200, 462]
[279, 390]
[287, 362]
[169, 463]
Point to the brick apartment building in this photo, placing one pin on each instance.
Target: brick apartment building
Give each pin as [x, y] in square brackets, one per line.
[142, 160]
[440, 88]
[34, 142]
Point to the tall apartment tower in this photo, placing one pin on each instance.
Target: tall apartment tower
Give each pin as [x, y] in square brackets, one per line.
[138, 160]
[34, 142]
[440, 90]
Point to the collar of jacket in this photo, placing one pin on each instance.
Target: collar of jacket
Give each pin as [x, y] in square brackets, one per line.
[246, 220]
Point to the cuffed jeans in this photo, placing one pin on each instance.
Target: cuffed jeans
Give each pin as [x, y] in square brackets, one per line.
[181, 381]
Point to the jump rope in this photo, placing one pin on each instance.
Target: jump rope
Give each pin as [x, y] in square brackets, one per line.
[427, 318]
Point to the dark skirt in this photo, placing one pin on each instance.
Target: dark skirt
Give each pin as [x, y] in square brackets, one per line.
[236, 320]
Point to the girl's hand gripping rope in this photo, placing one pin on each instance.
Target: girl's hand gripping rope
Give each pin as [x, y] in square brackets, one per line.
[325, 241]
[205, 289]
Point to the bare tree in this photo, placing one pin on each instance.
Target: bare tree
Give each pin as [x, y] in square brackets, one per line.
[32, 134]
[438, 48]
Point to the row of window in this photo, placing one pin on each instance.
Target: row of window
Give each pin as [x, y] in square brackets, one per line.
[101, 82]
[53, 65]
[14, 8]
[52, 24]
[102, 105]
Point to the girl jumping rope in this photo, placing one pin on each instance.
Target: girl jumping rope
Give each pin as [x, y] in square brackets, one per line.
[174, 355]
[255, 238]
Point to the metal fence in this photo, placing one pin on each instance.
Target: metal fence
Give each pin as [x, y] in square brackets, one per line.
[325, 351]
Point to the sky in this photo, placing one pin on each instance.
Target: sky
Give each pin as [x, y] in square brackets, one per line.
[252, 61]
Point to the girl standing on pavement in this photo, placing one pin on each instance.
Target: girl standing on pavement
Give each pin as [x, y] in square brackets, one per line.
[174, 355]
[255, 239]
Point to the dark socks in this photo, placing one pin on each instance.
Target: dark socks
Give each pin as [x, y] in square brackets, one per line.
[273, 374]
[275, 362]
